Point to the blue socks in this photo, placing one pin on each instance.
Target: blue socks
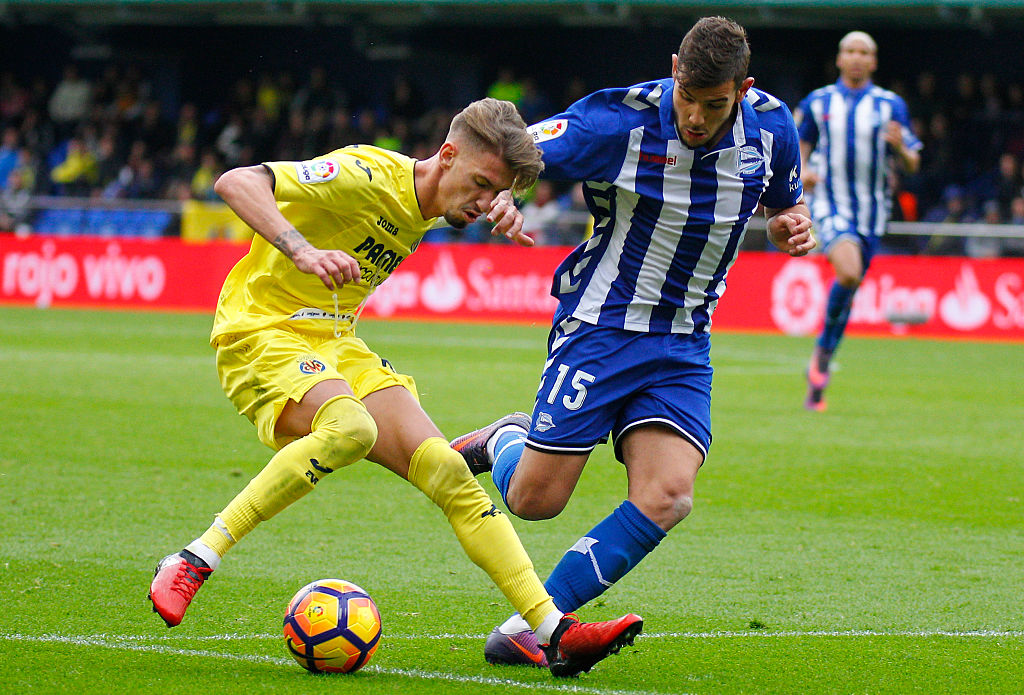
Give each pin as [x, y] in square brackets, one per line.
[602, 557]
[837, 313]
[598, 559]
[508, 449]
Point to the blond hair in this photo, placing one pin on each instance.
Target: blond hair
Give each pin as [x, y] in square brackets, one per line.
[496, 126]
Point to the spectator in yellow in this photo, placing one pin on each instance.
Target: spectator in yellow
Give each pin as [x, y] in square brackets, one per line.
[205, 176]
[506, 87]
[79, 170]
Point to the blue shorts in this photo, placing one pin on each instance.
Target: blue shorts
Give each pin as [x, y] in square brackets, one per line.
[599, 379]
[830, 230]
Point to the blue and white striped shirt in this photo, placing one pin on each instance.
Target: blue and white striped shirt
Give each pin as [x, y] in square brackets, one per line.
[668, 219]
[847, 128]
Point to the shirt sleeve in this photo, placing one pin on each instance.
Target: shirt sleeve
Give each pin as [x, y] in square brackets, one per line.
[807, 128]
[901, 114]
[585, 143]
[784, 187]
[335, 180]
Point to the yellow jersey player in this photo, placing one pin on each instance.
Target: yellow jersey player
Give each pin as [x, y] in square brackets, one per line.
[328, 231]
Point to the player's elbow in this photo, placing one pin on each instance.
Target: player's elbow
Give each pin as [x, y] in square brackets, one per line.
[226, 183]
[233, 181]
[533, 506]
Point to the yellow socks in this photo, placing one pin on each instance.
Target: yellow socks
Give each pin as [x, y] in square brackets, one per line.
[343, 432]
[486, 535]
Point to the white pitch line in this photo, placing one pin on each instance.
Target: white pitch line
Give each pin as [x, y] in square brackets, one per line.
[105, 642]
[838, 633]
[179, 637]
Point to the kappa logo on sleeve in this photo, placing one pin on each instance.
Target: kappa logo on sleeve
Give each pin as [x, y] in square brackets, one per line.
[316, 172]
[548, 130]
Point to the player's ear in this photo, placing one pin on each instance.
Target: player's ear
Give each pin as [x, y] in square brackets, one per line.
[447, 153]
[675, 64]
[745, 85]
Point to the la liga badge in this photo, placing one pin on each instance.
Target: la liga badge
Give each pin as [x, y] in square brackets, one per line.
[317, 171]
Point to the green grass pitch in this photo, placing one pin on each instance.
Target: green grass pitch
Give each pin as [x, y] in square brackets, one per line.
[875, 548]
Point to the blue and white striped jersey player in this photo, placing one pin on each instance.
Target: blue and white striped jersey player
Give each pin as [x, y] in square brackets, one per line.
[673, 170]
[851, 133]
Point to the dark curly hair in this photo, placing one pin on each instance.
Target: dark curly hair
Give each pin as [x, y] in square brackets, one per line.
[714, 51]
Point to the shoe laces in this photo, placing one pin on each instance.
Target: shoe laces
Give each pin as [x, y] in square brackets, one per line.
[188, 579]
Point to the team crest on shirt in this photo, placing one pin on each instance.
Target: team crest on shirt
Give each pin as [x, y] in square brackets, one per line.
[316, 172]
[548, 130]
[311, 366]
[749, 160]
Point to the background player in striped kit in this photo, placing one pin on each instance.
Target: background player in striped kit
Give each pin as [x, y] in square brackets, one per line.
[673, 170]
[851, 133]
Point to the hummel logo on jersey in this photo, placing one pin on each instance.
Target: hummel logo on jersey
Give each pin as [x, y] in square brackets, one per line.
[636, 99]
[657, 159]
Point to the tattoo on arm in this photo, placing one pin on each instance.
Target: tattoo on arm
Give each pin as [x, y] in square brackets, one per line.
[290, 242]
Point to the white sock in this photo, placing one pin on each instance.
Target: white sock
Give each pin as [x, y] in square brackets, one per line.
[499, 431]
[544, 630]
[513, 625]
[204, 552]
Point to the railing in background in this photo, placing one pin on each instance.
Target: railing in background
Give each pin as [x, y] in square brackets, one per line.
[199, 221]
[190, 220]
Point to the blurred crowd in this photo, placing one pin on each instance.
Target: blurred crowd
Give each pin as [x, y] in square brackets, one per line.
[110, 136]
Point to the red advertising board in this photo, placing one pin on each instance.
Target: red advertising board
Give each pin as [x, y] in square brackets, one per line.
[933, 296]
[114, 273]
[927, 296]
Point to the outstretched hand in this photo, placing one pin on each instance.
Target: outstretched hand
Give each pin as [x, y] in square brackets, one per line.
[507, 219]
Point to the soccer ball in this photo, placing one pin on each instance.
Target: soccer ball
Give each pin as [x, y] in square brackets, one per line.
[332, 626]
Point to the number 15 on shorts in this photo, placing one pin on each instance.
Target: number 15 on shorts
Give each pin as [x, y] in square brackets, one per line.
[576, 389]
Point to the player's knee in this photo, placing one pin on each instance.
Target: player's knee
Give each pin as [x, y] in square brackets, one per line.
[440, 473]
[348, 430]
[681, 507]
[667, 504]
[849, 281]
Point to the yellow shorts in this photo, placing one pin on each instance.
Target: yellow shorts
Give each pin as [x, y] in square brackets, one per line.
[261, 371]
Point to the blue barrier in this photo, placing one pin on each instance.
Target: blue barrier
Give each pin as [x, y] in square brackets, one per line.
[136, 224]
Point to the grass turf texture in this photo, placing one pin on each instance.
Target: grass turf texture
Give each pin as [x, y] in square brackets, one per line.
[838, 552]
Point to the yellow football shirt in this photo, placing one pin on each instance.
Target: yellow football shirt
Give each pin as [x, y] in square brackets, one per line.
[359, 199]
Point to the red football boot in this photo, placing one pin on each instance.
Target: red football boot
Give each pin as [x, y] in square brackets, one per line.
[577, 646]
[175, 582]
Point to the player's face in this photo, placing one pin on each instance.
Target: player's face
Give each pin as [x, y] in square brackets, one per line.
[471, 180]
[856, 61]
[703, 115]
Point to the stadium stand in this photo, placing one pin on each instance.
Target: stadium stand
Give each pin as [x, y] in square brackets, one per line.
[103, 126]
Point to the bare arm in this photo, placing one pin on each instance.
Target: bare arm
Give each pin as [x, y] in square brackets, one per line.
[789, 229]
[808, 176]
[910, 160]
[249, 192]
